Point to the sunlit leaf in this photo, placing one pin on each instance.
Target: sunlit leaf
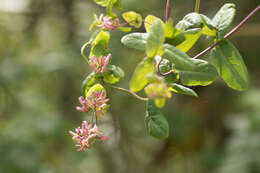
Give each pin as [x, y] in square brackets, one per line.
[95, 88]
[169, 30]
[133, 18]
[138, 80]
[148, 22]
[155, 39]
[230, 65]
[191, 20]
[125, 29]
[224, 18]
[185, 39]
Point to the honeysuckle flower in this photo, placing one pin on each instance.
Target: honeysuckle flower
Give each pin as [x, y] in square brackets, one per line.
[109, 24]
[99, 65]
[86, 135]
[97, 102]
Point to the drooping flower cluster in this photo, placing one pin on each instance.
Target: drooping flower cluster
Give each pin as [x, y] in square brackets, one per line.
[86, 135]
[97, 102]
[109, 24]
[99, 65]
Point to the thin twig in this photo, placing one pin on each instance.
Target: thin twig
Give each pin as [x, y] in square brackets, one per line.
[82, 51]
[129, 92]
[230, 33]
[197, 6]
[160, 73]
[168, 11]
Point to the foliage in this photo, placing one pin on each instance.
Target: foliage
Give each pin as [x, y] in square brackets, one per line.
[165, 46]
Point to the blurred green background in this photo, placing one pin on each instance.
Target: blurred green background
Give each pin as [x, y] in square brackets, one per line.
[41, 71]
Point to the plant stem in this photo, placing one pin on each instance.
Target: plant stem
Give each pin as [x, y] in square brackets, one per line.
[129, 92]
[230, 33]
[197, 6]
[82, 51]
[168, 11]
[160, 73]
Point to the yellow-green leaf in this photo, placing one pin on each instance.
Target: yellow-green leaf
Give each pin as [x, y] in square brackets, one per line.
[155, 39]
[133, 18]
[148, 22]
[95, 88]
[138, 80]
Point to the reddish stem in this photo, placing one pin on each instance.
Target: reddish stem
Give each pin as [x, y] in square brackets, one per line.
[230, 33]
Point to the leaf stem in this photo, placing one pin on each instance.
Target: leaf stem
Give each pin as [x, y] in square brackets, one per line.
[197, 6]
[230, 33]
[129, 92]
[168, 11]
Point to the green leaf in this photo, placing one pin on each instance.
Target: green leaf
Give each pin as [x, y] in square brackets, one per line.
[138, 80]
[118, 4]
[196, 20]
[95, 88]
[224, 18]
[155, 123]
[155, 39]
[230, 65]
[179, 59]
[135, 40]
[110, 7]
[103, 3]
[159, 102]
[203, 74]
[117, 71]
[148, 22]
[185, 39]
[99, 44]
[182, 90]
[89, 81]
[125, 29]
[113, 74]
[168, 29]
[133, 18]
[208, 28]
[191, 20]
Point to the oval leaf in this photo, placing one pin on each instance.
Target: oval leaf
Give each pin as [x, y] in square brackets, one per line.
[89, 81]
[155, 39]
[138, 80]
[133, 18]
[135, 40]
[224, 18]
[185, 39]
[155, 123]
[148, 22]
[182, 90]
[179, 59]
[203, 74]
[230, 65]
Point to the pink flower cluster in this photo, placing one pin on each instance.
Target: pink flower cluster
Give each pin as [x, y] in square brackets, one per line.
[99, 65]
[110, 24]
[86, 135]
[96, 102]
